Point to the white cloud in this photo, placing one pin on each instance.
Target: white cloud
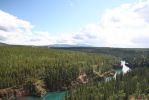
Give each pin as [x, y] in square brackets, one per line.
[17, 31]
[124, 26]
[13, 28]
[126, 23]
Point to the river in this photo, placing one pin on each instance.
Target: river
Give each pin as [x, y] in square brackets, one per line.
[118, 71]
[49, 96]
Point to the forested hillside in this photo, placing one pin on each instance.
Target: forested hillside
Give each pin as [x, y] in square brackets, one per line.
[136, 57]
[23, 67]
[119, 52]
[37, 70]
[132, 86]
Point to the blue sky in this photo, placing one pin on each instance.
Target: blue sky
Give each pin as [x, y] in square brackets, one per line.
[101, 23]
[59, 16]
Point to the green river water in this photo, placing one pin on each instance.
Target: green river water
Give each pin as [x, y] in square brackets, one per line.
[118, 71]
[49, 96]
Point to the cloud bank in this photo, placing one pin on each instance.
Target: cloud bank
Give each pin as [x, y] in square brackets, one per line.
[124, 26]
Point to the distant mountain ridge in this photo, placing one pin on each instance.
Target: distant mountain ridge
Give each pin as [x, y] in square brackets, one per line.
[69, 45]
[2, 43]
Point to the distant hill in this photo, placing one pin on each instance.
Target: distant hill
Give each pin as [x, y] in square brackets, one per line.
[118, 52]
[2, 43]
[69, 45]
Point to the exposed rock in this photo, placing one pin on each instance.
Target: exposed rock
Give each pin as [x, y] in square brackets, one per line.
[12, 93]
[107, 73]
[82, 78]
[132, 97]
[40, 88]
[20, 91]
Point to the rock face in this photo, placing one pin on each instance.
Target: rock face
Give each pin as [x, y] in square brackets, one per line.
[12, 93]
[6, 94]
[107, 73]
[82, 78]
[40, 88]
[20, 91]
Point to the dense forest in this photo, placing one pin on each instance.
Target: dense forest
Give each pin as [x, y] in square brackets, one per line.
[39, 69]
[23, 67]
[118, 52]
[132, 86]
[136, 57]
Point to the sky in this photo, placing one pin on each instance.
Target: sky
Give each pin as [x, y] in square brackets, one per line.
[100, 23]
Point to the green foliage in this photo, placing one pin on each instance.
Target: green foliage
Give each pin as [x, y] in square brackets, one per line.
[58, 67]
[134, 83]
[20, 65]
